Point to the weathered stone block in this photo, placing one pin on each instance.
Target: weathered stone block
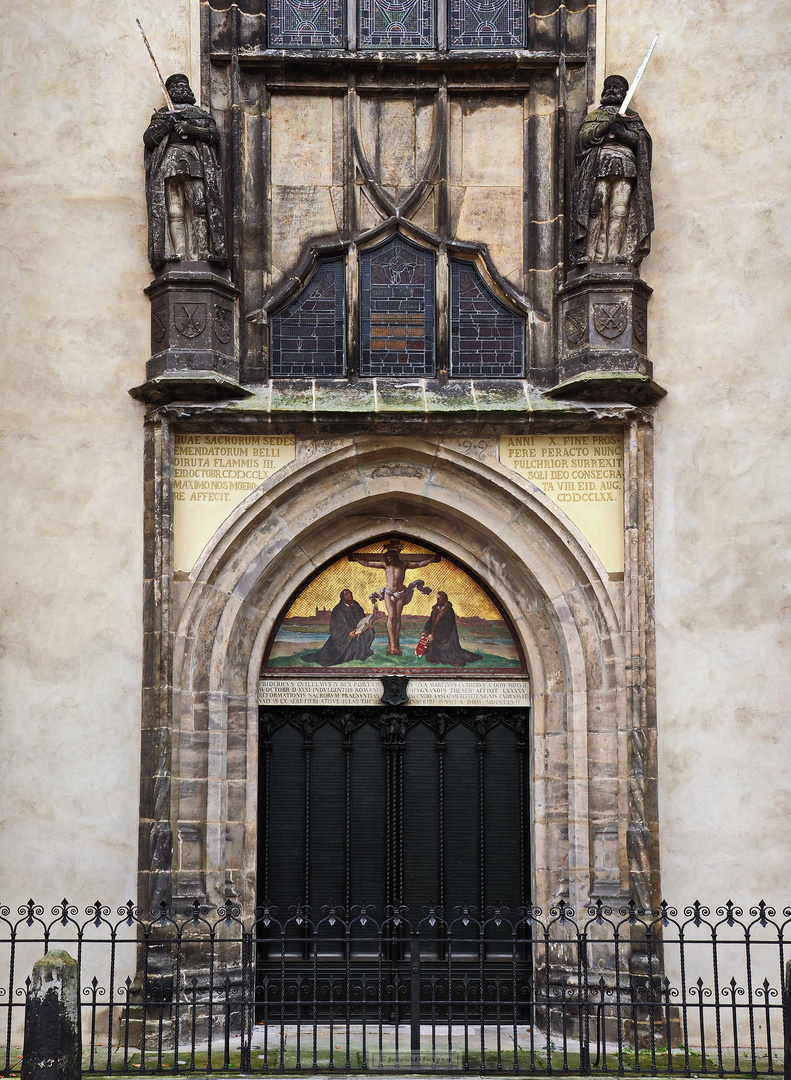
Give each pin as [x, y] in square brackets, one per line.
[53, 1045]
[604, 337]
[194, 353]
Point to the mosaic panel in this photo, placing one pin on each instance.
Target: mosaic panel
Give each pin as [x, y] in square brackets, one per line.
[307, 336]
[486, 24]
[394, 604]
[397, 310]
[487, 339]
[306, 24]
[396, 24]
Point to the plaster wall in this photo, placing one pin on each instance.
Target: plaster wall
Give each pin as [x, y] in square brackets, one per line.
[77, 92]
[715, 100]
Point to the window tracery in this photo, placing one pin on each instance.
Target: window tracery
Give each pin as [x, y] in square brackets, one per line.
[487, 339]
[397, 310]
[399, 320]
[306, 24]
[396, 24]
[482, 24]
[307, 335]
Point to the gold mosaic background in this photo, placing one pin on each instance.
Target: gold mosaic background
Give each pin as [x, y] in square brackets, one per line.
[467, 597]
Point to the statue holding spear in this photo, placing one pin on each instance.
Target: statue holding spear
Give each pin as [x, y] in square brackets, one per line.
[612, 213]
[186, 220]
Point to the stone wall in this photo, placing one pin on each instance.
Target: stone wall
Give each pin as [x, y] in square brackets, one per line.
[78, 90]
[715, 103]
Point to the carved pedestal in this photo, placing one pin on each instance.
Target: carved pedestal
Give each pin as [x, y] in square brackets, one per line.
[604, 338]
[194, 355]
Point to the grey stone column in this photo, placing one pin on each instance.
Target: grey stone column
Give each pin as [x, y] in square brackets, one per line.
[53, 1042]
[642, 833]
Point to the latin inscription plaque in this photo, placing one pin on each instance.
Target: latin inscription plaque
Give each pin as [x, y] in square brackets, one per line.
[212, 475]
[504, 693]
[583, 475]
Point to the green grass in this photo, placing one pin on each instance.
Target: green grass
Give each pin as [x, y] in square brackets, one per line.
[380, 659]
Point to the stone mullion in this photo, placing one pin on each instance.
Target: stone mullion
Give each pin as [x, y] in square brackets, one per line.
[156, 834]
[352, 313]
[540, 217]
[254, 226]
[236, 152]
[443, 184]
[647, 649]
[265, 164]
[351, 195]
[441, 16]
[442, 292]
[205, 52]
[638, 635]
[351, 25]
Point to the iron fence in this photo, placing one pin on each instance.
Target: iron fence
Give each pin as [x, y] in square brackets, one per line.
[606, 991]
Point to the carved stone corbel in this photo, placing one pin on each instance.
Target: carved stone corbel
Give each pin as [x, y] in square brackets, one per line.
[604, 338]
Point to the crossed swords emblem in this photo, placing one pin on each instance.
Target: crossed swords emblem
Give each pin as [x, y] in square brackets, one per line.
[190, 319]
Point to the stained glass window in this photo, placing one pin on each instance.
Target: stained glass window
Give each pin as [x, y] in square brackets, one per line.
[397, 310]
[307, 335]
[487, 24]
[396, 24]
[306, 24]
[487, 338]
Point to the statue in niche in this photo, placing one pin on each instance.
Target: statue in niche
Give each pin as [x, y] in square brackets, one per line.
[186, 220]
[612, 210]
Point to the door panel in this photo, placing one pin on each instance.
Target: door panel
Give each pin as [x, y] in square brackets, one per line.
[386, 807]
[400, 810]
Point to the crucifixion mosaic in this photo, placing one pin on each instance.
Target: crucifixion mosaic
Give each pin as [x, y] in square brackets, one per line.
[394, 605]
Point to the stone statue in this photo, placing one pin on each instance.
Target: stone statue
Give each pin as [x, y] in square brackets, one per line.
[184, 182]
[612, 210]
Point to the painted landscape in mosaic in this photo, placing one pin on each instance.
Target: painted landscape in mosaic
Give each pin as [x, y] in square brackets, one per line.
[394, 605]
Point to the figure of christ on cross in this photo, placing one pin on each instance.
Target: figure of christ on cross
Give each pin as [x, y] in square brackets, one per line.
[396, 594]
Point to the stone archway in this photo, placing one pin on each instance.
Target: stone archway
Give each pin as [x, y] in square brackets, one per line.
[548, 581]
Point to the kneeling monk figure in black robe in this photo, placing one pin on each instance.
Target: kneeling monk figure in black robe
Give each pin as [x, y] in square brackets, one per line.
[345, 642]
[443, 636]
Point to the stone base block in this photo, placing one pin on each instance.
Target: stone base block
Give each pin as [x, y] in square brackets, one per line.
[193, 332]
[609, 386]
[53, 1048]
[604, 337]
[188, 386]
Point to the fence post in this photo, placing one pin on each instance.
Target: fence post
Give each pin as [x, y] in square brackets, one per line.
[414, 1007]
[787, 1022]
[248, 993]
[53, 1039]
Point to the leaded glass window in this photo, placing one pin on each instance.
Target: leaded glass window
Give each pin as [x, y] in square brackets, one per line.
[397, 310]
[487, 338]
[487, 24]
[396, 24]
[307, 336]
[306, 24]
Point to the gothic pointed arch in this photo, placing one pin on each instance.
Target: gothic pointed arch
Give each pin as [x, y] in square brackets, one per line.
[548, 582]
